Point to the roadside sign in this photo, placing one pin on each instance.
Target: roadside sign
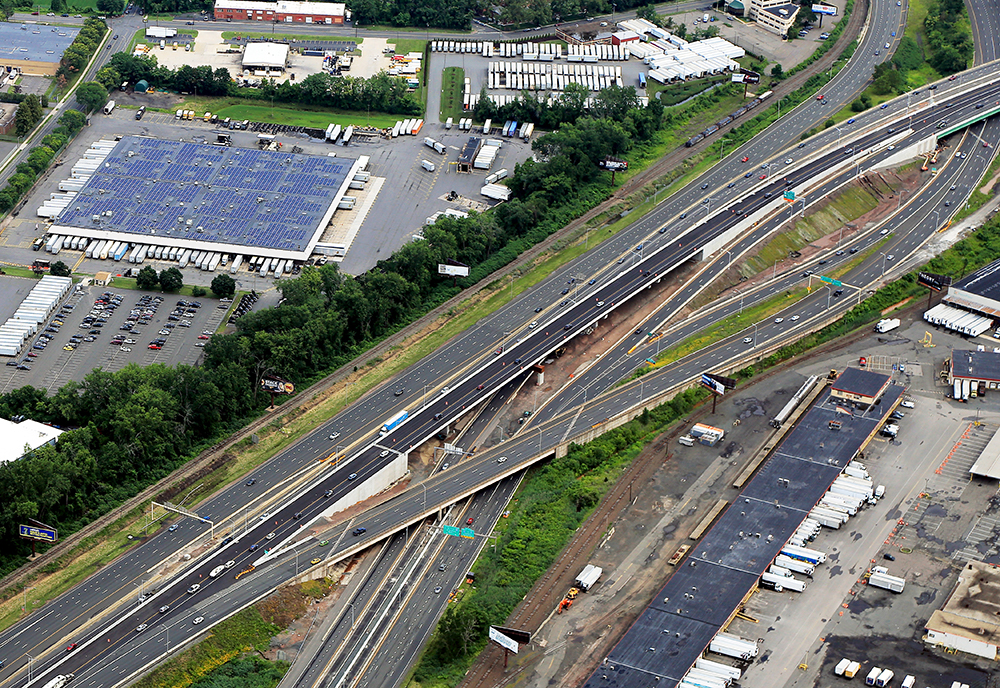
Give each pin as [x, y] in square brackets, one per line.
[36, 533]
[789, 195]
[451, 530]
[468, 533]
[830, 280]
[502, 640]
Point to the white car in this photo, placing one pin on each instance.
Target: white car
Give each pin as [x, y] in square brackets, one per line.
[600, 303]
[270, 536]
[778, 321]
[384, 453]
[788, 161]
[194, 588]
[748, 340]
[533, 324]
[883, 232]
[334, 435]
[501, 459]
[794, 318]
[886, 46]
[126, 349]
[130, 341]
[906, 403]
[230, 564]
[264, 516]
[198, 620]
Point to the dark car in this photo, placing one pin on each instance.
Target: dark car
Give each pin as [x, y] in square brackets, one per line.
[565, 291]
[889, 557]
[704, 186]
[359, 531]
[226, 540]
[298, 515]
[538, 310]
[251, 481]
[398, 392]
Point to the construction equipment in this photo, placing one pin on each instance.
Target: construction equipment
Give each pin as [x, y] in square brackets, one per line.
[565, 604]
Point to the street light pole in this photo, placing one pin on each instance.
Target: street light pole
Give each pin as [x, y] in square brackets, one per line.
[883, 263]
[774, 270]
[899, 198]
[722, 148]
[24, 599]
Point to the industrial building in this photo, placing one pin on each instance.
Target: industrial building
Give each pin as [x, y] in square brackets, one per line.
[861, 388]
[22, 438]
[33, 49]
[265, 56]
[197, 202]
[971, 304]
[701, 597]
[968, 621]
[289, 12]
[776, 18]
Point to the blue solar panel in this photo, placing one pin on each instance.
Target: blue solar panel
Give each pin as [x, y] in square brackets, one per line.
[242, 197]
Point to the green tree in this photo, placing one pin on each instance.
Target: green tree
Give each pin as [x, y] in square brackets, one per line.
[92, 96]
[224, 286]
[147, 279]
[648, 12]
[59, 269]
[776, 71]
[58, 6]
[171, 280]
[108, 77]
[73, 120]
[887, 80]
[24, 122]
[34, 105]
[110, 6]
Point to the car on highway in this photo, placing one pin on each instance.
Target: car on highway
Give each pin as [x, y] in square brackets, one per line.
[334, 435]
[704, 186]
[730, 185]
[270, 536]
[952, 77]
[794, 318]
[788, 161]
[198, 620]
[398, 392]
[437, 590]
[251, 482]
[501, 459]
[230, 564]
[328, 493]
[853, 251]
[763, 176]
[194, 588]
[253, 548]
[683, 215]
[359, 531]
[352, 476]
[748, 340]
[746, 158]
[172, 528]
[886, 46]
[778, 321]
[884, 232]
[141, 627]
[883, 106]
[164, 609]
[533, 324]
[445, 466]
[820, 97]
[565, 291]
[71, 647]
[469, 521]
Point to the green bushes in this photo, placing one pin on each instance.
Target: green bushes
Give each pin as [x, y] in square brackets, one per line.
[39, 158]
[947, 29]
[83, 47]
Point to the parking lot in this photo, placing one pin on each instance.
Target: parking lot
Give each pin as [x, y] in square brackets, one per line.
[106, 328]
[408, 196]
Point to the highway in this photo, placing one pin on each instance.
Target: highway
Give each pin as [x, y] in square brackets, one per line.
[481, 470]
[356, 424]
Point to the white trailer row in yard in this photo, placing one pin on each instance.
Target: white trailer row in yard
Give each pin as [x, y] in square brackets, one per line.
[535, 52]
[521, 76]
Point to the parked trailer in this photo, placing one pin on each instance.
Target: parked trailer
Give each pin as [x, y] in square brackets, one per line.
[588, 577]
[780, 583]
[214, 262]
[733, 646]
[236, 265]
[811, 556]
[887, 582]
[719, 668]
[872, 675]
[185, 258]
[121, 251]
[883, 679]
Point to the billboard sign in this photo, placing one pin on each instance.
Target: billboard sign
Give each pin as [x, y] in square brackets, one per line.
[751, 78]
[36, 533]
[713, 385]
[502, 640]
[276, 386]
[825, 9]
[453, 270]
[614, 164]
[738, 78]
[932, 281]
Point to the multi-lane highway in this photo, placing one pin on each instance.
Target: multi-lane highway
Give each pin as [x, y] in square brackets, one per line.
[590, 302]
[466, 353]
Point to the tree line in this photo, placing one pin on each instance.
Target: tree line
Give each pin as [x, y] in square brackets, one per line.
[83, 47]
[381, 92]
[39, 158]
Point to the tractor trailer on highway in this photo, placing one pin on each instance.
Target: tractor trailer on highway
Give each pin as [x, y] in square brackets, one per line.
[393, 423]
[59, 681]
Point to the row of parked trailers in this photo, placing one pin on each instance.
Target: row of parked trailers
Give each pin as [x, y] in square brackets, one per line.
[35, 309]
[958, 320]
[542, 52]
[91, 160]
[522, 76]
[407, 127]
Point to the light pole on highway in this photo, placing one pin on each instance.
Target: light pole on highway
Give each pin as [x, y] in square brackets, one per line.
[899, 198]
[730, 259]
[774, 270]
[709, 205]
[351, 607]
[883, 263]
[937, 218]
[838, 135]
[754, 336]
[424, 485]
[829, 292]
[24, 600]
[30, 660]
[741, 300]
[722, 148]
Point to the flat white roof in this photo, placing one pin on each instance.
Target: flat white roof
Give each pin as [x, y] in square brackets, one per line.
[326, 9]
[15, 436]
[272, 55]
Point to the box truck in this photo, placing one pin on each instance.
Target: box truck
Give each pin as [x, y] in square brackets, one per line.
[887, 324]
[393, 422]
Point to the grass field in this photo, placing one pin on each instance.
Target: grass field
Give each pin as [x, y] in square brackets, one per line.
[279, 114]
[407, 45]
[452, 85]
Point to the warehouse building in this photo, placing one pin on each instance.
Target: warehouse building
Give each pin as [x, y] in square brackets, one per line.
[265, 56]
[184, 199]
[33, 49]
[23, 437]
[776, 18]
[969, 621]
[859, 387]
[971, 304]
[288, 12]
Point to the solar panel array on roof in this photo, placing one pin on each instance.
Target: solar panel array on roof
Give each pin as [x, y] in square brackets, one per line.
[150, 189]
[707, 589]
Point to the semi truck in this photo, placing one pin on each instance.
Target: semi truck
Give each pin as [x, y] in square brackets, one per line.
[109, 107]
[887, 324]
[881, 579]
[393, 423]
[59, 681]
